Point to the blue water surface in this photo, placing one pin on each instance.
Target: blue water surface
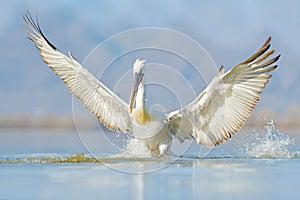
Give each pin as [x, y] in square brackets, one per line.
[231, 171]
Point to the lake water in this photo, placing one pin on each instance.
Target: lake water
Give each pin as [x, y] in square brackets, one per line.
[56, 165]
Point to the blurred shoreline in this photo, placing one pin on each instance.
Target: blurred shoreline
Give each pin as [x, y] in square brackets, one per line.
[58, 123]
[44, 123]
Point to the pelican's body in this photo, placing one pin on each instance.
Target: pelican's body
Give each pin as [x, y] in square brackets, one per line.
[217, 113]
[150, 130]
[155, 136]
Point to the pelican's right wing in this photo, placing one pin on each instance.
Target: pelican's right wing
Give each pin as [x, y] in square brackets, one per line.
[97, 98]
[223, 107]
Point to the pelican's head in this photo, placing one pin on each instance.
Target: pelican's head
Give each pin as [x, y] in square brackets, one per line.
[138, 73]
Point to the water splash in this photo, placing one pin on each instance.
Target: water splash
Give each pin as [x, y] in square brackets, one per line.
[136, 148]
[271, 144]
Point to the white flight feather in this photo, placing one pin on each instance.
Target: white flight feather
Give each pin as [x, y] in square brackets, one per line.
[112, 111]
[223, 107]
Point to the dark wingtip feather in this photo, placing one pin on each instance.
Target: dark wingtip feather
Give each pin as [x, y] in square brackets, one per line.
[268, 41]
[271, 61]
[265, 47]
[221, 68]
[35, 26]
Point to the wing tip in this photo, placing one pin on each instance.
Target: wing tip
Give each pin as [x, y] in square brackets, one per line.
[277, 57]
[35, 27]
[268, 41]
[265, 47]
[221, 70]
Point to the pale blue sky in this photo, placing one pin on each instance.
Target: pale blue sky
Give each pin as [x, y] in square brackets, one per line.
[229, 30]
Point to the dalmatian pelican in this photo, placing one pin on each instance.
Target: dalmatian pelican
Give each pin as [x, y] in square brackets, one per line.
[212, 118]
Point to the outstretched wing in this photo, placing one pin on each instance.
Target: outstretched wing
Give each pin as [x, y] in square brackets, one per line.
[223, 107]
[98, 99]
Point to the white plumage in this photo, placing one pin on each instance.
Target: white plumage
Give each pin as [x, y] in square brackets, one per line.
[223, 107]
[97, 98]
[212, 118]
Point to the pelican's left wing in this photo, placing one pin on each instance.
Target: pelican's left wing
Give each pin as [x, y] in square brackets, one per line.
[112, 111]
[223, 107]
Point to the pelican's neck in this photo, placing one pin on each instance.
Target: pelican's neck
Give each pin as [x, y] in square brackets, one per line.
[140, 97]
[141, 115]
